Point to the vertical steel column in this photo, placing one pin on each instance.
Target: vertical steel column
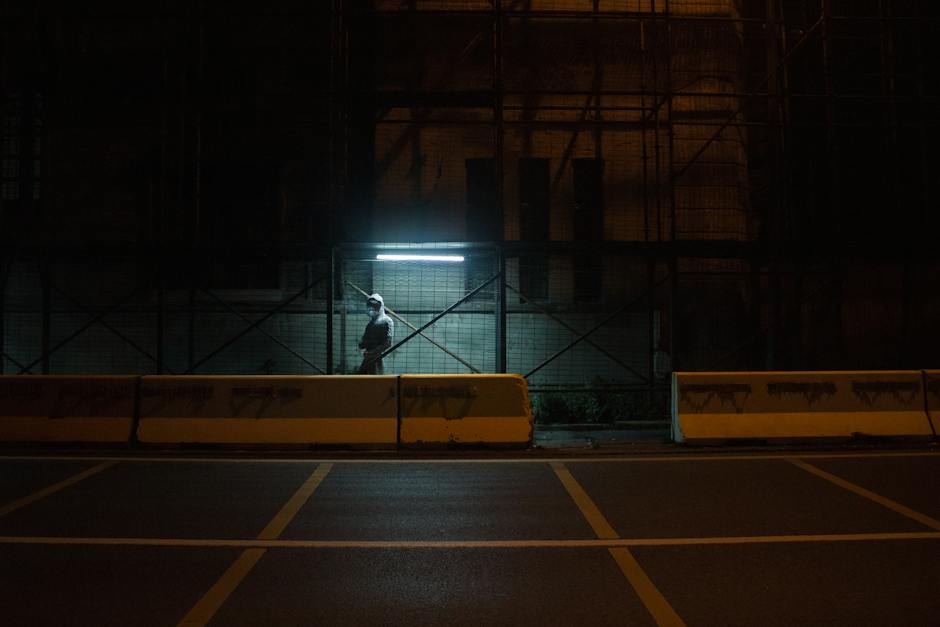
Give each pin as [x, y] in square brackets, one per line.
[46, 314]
[674, 311]
[835, 210]
[644, 117]
[200, 106]
[501, 312]
[4, 266]
[651, 323]
[161, 313]
[671, 180]
[330, 308]
[191, 338]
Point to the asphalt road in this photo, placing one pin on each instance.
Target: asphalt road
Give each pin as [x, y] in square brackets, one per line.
[788, 539]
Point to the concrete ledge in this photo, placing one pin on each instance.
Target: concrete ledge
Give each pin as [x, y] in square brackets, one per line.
[269, 409]
[65, 408]
[718, 406]
[465, 409]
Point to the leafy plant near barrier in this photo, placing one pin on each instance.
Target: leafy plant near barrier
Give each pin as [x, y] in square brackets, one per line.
[599, 405]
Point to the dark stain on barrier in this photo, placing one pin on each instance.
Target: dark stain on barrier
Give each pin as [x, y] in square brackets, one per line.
[197, 395]
[242, 397]
[812, 391]
[425, 396]
[79, 398]
[904, 392]
[724, 392]
[455, 391]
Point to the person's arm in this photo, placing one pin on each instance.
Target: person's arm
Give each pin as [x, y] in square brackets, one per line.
[389, 331]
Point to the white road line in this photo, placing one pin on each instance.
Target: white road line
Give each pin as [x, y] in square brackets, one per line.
[468, 544]
[679, 457]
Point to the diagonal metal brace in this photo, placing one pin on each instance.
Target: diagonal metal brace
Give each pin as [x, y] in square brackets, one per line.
[416, 332]
[265, 333]
[100, 316]
[413, 327]
[603, 350]
[597, 326]
[253, 325]
[107, 326]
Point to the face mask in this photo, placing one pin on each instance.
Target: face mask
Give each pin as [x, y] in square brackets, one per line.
[373, 313]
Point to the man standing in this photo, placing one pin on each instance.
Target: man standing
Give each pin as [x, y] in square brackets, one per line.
[377, 336]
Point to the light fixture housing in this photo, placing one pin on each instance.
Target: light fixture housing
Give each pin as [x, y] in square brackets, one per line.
[438, 258]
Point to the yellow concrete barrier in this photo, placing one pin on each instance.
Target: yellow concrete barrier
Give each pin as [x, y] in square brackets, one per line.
[465, 409]
[932, 390]
[65, 408]
[269, 410]
[716, 406]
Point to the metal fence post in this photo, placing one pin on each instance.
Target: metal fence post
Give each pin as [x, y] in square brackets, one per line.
[501, 313]
[46, 315]
[330, 307]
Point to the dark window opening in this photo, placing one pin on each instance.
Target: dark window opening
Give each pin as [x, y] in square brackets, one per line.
[534, 215]
[483, 220]
[588, 200]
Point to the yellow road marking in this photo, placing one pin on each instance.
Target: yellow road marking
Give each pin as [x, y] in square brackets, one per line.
[652, 598]
[290, 509]
[656, 604]
[209, 604]
[470, 544]
[868, 494]
[55, 487]
[679, 457]
[593, 515]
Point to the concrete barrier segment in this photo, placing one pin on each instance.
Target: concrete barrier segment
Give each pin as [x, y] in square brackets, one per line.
[465, 409]
[269, 409]
[66, 408]
[717, 406]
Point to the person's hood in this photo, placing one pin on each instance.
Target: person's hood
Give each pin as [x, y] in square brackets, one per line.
[377, 298]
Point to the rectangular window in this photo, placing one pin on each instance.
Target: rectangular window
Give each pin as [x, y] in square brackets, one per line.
[588, 227]
[533, 276]
[588, 200]
[534, 217]
[534, 204]
[483, 220]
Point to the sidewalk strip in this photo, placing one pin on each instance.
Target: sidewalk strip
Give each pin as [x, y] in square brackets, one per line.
[209, 604]
[447, 545]
[656, 604]
[55, 487]
[868, 494]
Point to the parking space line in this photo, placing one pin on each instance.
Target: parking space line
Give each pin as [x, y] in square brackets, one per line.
[470, 544]
[211, 601]
[593, 515]
[652, 598]
[55, 487]
[290, 509]
[654, 601]
[868, 494]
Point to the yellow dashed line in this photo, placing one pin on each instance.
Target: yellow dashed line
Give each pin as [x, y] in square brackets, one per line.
[656, 604]
[868, 494]
[55, 487]
[209, 604]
